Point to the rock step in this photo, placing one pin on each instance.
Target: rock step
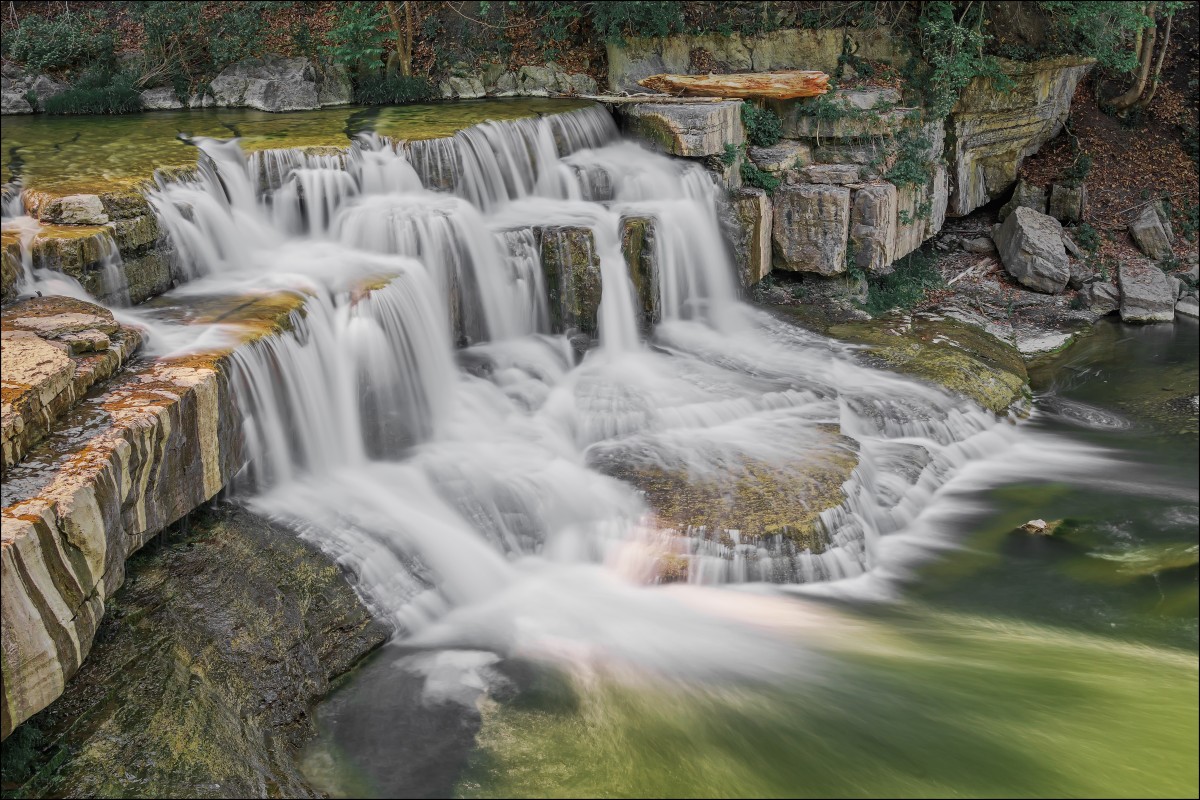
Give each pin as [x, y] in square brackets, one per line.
[55, 349]
[126, 462]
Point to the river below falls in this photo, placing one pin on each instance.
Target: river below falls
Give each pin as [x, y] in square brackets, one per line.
[977, 661]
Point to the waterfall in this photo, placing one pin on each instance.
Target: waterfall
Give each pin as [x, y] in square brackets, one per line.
[427, 423]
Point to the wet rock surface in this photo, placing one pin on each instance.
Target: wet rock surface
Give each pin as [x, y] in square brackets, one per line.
[55, 349]
[685, 129]
[202, 676]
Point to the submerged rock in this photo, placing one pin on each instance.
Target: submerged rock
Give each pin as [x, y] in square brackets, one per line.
[947, 352]
[571, 267]
[204, 669]
[1041, 528]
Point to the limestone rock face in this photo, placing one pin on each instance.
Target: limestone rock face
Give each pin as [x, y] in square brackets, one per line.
[272, 83]
[784, 155]
[839, 174]
[638, 246]
[994, 131]
[686, 129]
[1146, 294]
[1151, 236]
[873, 227]
[1068, 203]
[124, 464]
[809, 228]
[207, 672]
[74, 209]
[571, 268]
[1031, 249]
[699, 54]
[752, 237]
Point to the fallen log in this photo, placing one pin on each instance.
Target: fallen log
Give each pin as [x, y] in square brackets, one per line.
[785, 85]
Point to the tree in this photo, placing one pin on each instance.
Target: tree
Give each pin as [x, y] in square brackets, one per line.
[1148, 74]
[404, 35]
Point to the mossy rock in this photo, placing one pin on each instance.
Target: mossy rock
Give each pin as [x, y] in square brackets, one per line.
[571, 267]
[202, 673]
[637, 245]
[756, 498]
[948, 352]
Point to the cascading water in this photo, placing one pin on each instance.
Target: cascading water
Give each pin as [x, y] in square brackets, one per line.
[468, 489]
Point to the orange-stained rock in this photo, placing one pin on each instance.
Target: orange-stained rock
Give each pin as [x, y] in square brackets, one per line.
[767, 85]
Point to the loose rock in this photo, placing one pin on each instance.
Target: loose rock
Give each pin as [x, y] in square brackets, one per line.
[1031, 249]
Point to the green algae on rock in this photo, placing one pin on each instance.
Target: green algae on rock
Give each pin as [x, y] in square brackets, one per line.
[201, 677]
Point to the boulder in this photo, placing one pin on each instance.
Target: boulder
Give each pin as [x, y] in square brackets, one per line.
[752, 236]
[685, 129]
[1068, 203]
[506, 84]
[272, 83]
[1031, 249]
[980, 245]
[786, 154]
[810, 228]
[163, 97]
[14, 102]
[465, 88]
[73, 209]
[1188, 307]
[1151, 236]
[873, 227]
[1146, 294]
[580, 83]
[1025, 196]
[1081, 273]
[1101, 297]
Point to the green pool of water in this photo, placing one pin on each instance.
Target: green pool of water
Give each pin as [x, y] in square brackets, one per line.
[1008, 666]
[70, 154]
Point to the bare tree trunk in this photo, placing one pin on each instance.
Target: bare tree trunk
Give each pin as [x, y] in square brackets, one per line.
[1145, 58]
[1158, 65]
[404, 35]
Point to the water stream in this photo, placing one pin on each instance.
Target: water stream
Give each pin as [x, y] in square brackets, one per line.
[478, 472]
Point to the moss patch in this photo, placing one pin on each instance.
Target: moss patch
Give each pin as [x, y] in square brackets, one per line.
[201, 675]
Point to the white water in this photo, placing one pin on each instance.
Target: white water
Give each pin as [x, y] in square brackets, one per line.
[468, 489]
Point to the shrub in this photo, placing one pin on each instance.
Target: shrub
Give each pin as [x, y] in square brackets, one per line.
[1087, 237]
[358, 36]
[61, 42]
[913, 166]
[381, 89]
[754, 176]
[1100, 29]
[615, 21]
[906, 285]
[763, 126]
[98, 92]
[1076, 173]
[949, 55]
[188, 47]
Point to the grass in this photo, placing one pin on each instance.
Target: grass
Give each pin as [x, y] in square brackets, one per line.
[905, 286]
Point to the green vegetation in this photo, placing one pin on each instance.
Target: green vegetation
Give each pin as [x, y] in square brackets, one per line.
[60, 43]
[913, 165]
[615, 21]
[382, 89]
[98, 92]
[906, 285]
[948, 54]
[754, 176]
[763, 126]
[1087, 237]
[357, 38]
